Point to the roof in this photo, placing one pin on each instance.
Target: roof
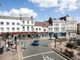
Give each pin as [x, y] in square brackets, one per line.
[64, 17]
[15, 17]
[43, 24]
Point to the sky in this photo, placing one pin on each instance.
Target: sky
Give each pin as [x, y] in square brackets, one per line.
[41, 10]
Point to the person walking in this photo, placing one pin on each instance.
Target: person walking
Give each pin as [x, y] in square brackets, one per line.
[15, 39]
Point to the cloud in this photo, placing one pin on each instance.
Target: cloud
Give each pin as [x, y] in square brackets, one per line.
[16, 12]
[45, 3]
[61, 5]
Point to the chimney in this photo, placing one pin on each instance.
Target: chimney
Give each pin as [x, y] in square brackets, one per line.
[31, 17]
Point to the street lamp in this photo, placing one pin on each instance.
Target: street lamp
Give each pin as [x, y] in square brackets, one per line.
[32, 32]
[50, 34]
[56, 37]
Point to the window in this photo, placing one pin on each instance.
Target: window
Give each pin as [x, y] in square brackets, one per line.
[28, 28]
[44, 30]
[17, 28]
[62, 24]
[18, 23]
[2, 29]
[63, 34]
[7, 23]
[63, 29]
[36, 28]
[39, 28]
[32, 22]
[13, 23]
[50, 29]
[13, 28]
[2, 23]
[7, 28]
[27, 22]
[23, 28]
[56, 29]
[56, 24]
[23, 21]
[32, 28]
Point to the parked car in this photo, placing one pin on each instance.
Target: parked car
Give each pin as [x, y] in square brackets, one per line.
[35, 43]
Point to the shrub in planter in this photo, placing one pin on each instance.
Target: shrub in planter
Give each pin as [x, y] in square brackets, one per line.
[69, 53]
[70, 45]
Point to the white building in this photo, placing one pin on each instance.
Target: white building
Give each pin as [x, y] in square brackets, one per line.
[71, 27]
[16, 25]
[41, 28]
[64, 26]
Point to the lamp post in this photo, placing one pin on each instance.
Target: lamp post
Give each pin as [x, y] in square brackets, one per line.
[50, 34]
[32, 33]
[55, 39]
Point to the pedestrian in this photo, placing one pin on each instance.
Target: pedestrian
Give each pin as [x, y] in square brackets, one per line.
[6, 46]
[15, 48]
[2, 47]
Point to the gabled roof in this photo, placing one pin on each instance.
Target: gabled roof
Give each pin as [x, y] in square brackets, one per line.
[43, 24]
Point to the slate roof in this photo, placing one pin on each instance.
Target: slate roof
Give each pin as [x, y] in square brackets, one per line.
[43, 24]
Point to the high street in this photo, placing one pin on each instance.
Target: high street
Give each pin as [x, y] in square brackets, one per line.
[41, 52]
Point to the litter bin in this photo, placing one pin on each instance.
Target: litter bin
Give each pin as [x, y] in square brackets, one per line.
[25, 45]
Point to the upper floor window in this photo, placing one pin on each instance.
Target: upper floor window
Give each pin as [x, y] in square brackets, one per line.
[23, 27]
[32, 22]
[50, 29]
[36, 28]
[7, 28]
[7, 23]
[56, 29]
[13, 28]
[44, 30]
[18, 23]
[27, 22]
[56, 24]
[17, 28]
[13, 23]
[1, 23]
[28, 28]
[32, 28]
[63, 29]
[62, 24]
[23, 21]
[2, 29]
[39, 28]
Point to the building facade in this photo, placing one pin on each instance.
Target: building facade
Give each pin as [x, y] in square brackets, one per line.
[41, 28]
[78, 28]
[16, 25]
[64, 26]
[71, 27]
[78, 31]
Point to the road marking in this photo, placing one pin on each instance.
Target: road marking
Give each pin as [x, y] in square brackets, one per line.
[37, 54]
[47, 58]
